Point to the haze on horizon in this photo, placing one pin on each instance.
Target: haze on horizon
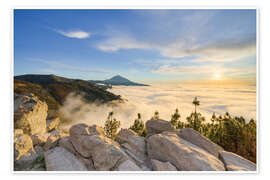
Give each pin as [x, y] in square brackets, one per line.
[149, 46]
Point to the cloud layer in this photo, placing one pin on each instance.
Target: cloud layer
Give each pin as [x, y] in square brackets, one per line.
[165, 98]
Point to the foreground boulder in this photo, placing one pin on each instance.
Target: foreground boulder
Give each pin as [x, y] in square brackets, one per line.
[78, 135]
[156, 126]
[30, 114]
[59, 159]
[196, 138]
[162, 166]
[133, 145]
[233, 162]
[66, 143]
[184, 155]
[89, 142]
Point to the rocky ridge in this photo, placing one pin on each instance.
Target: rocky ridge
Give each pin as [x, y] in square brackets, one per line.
[86, 148]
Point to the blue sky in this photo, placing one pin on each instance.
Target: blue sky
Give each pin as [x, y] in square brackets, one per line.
[142, 45]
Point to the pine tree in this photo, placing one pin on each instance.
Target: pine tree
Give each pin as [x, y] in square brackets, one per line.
[213, 118]
[111, 126]
[138, 126]
[175, 118]
[196, 103]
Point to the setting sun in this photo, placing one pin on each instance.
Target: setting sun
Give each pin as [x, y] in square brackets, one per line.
[217, 76]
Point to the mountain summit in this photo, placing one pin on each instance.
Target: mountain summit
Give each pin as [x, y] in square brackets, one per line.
[119, 80]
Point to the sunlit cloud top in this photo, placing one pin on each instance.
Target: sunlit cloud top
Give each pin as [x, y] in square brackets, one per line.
[143, 45]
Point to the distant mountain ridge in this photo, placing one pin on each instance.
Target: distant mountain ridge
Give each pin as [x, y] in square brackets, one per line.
[54, 89]
[120, 81]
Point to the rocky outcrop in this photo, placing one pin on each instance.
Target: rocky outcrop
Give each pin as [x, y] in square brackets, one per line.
[66, 143]
[53, 139]
[52, 124]
[40, 139]
[162, 166]
[26, 157]
[132, 144]
[156, 126]
[184, 155]
[233, 162]
[30, 114]
[23, 145]
[196, 138]
[85, 148]
[89, 142]
[59, 159]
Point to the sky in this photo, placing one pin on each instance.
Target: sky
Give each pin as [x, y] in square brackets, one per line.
[142, 45]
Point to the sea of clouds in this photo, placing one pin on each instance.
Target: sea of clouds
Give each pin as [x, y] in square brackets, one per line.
[164, 98]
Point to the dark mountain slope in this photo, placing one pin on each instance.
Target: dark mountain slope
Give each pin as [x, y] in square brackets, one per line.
[54, 89]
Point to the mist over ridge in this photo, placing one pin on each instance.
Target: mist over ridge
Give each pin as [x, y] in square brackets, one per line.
[165, 98]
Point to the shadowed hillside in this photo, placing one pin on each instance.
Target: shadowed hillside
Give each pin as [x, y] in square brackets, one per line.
[54, 89]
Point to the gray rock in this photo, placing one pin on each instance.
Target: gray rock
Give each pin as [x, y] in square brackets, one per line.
[59, 159]
[128, 165]
[184, 155]
[79, 133]
[30, 114]
[196, 138]
[66, 143]
[89, 142]
[234, 162]
[156, 126]
[133, 144]
[162, 166]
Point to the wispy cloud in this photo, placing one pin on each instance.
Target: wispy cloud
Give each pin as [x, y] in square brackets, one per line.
[217, 51]
[79, 34]
[115, 44]
[187, 33]
[56, 65]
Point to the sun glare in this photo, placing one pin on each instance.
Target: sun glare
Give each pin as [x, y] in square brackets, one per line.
[217, 76]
